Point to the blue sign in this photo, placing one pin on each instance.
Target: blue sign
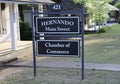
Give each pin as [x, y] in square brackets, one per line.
[57, 25]
[58, 48]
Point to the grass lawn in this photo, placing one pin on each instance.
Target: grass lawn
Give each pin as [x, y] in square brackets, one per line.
[62, 76]
[102, 48]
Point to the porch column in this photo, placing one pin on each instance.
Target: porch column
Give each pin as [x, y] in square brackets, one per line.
[0, 20]
[14, 24]
[17, 21]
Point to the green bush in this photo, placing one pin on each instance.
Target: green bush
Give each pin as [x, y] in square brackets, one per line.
[104, 29]
[25, 31]
[119, 21]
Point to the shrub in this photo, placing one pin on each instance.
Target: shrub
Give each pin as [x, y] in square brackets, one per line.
[119, 21]
[104, 29]
[25, 31]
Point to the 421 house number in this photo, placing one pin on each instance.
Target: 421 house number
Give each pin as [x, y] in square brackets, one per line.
[56, 7]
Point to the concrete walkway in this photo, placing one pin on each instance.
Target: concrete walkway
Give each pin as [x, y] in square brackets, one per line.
[111, 67]
[44, 62]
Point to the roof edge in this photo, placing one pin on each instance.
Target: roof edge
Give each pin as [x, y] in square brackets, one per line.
[28, 1]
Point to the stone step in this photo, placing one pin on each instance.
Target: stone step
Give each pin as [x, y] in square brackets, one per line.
[8, 57]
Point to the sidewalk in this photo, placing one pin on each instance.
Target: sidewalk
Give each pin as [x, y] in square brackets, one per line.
[44, 62]
[111, 67]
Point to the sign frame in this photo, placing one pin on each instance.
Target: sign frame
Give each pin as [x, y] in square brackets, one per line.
[35, 35]
[72, 32]
[54, 55]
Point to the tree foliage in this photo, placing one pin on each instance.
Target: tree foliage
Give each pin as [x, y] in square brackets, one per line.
[97, 8]
[114, 2]
[91, 1]
[117, 5]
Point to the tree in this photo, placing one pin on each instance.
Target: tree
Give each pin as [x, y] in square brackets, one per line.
[114, 2]
[118, 6]
[98, 9]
